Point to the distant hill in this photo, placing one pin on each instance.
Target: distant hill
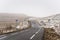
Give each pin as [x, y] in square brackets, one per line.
[11, 18]
[57, 16]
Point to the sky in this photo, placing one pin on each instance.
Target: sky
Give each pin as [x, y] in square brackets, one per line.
[37, 8]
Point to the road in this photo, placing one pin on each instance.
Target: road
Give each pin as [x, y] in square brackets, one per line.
[33, 33]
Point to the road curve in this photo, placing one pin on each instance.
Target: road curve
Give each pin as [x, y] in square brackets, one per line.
[33, 33]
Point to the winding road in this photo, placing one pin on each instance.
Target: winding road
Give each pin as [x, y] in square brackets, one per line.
[33, 33]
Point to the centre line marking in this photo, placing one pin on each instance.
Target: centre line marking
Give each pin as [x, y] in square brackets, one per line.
[32, 36]
[36, 32]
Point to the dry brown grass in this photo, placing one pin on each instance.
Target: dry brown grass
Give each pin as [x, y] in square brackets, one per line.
[50, 34]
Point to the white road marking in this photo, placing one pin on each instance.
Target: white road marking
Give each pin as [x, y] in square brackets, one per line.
[36, 32]
[23, 30]
[3, 37]
[14, 33]
[18, 33]
[32, 36]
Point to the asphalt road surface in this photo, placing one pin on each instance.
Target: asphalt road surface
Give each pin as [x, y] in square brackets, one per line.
[33, 33]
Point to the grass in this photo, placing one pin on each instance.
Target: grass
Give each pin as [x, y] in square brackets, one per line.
[5, 27]
[50, 34]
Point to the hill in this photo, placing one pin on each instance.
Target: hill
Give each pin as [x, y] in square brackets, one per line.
[7, 18]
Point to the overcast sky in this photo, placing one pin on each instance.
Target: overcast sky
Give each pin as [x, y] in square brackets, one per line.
[38, 8]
